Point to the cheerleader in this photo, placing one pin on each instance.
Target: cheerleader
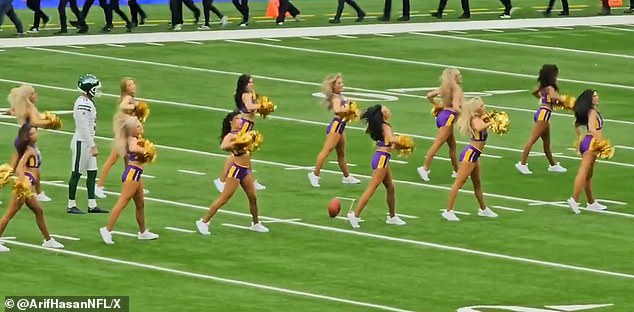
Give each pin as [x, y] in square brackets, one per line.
[126, 107]
[27, 168]
[23, 101]
[334, 100]
[471, 123]
[450, 91]
[245, 102]
[127, 144]
[587, 114]
[238, 174]
[548, 94]
[380, 131]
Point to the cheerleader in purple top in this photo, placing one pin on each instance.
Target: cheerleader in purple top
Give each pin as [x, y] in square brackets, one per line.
[587, 114]
[450, 91]
[548, 93]
[332, 88]
[470, 123]
[381, 132]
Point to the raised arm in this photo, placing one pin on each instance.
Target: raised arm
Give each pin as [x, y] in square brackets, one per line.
[477, 124]
[431, 96]
[336, 105]
[227, 142]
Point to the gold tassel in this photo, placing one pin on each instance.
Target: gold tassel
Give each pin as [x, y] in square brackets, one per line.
[5, 173]
[257, 139]
[500, 122]
[150, 151]
[435, 110]
[566, 102]
[603, 148]
[404, 144]
[248, 141]
[54, 121]
[22, 188]
[142, 110]
[266, 106]
[353, 114]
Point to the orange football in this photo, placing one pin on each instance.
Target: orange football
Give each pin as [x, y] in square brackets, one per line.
[334, 207]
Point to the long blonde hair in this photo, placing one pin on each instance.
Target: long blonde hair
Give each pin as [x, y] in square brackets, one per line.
[448, 84]
[326, 89]
[126, 128]
[468, 112]
[20, 101]
[123, 86]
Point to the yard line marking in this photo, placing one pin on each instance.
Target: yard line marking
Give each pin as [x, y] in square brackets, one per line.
[65, 237]
[563, 28]
[281, 221]
[347, 198]
[508, 208]
[336, 163]
[345, 218]
[115, 45]
[7, 238]
[624, 147]
[237, 226]
[403, 215]
[191, 172]
[75, 47]
[124, 233]
[148, 176]
[300, 168]
[192, 42]
[489, 30]
[346, 36]
[491, 156]
[613, 28]
[442, 158]
[458, 32]
[390, 238]
[154, 43]
[553, 203]
[458, 212]
[532, 111]
[171, 228]
[213, 278]
[62, 112]
[271, 39]
[398, 161]
[529, 29]
[612, 201]
[310, 38]
[384, 35]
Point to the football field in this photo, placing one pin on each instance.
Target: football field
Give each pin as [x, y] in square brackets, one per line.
[535, 254]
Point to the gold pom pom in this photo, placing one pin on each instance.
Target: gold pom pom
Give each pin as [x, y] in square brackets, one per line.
[248, 141]
[256, 140]
[404, 144]
[5, 173]
[23, 188]
[499, 121]
[54, 122]
[435, 110]
[141, 111]
[565, 102]
[353, 114]
[150, 151]
[266, 106]
[603, 148]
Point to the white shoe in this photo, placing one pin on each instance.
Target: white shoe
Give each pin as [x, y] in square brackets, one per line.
[258, 186]
[204, 27]
[99, 192]
[298, 18]
[147, 235]
[523, 169]
[424, 174]
[224, 21]
[557, 168]
[314, 180]
[449, 216]
[354, 221]
[596, 206]
[454, 175]
[41, 197]
[106, 235]
[52, 243]
[487, 213]
[395, 220]
[574, 205]
[258, 227]
[280, 24]
[4, 248]
[33, 31]
[505, 16]
[350, 180]
[203, 228]
[243, 24]
[178, 27]
[220, 186]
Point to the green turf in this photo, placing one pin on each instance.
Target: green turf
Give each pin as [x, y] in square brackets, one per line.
[321, 255]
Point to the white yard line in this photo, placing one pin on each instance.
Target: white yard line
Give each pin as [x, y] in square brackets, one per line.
[398, 161]
[281, 221]
[123, 233]
[612, 201]
[489, 30]
[242, 227]
[7, 238]
[271, 39]
[508, 208]
[115, 45]
[336, 163]
[193, 42]
[624, 147]
[404, 215]
[211, 277]
[458, 212]
[383, 35]
[457, 32]
[65, 237]
[75, 47]
[310, 38]
[191, 172]
[155, 44]
[176, 229]
[346, 219]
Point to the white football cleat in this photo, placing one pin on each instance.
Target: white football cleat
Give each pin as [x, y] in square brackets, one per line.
[106, 235]
[258, 227]
[41, 197]
[573, 205]
[354, 221]
[523, 169]
[258, 186]
[147, 235]
[596, 206]
[424, 174]
[314, 179]
[224, 21]
[350, 180]
[4, 248]
[487, 213]
[220, 186]
[203, 228]
[52, 243]
[454, 174]
[557, 168]
[395, 220]
[449, 215]
[99, 192]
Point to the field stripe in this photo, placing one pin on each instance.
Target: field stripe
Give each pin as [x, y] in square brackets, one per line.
[403, 215]
[191, 172]
[65, 237]
[211, 277]
[176, 229]
[458, 212]
[124, 233]
[242, 227]
[388, 238]
[508, 208]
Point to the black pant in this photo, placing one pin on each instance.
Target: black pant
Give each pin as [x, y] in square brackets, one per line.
[114, 7]
[507, 6]
[387, 9]
[176, 8]
[107, 11]
[136, 11]
[6, 8]
[38, 14]
[465, 7]
[208, 5]
[564, 5]
[243, 8]
[287, 6]
[61, 9]
[352, 3]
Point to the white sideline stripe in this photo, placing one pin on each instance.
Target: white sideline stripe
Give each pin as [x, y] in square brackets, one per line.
[563, 28]
[65, 237]
[612, 201]
[212, 277]
[237, 226]
[336, 163]
[612, 28]
[347, 37]
[310, 38]
[123, 233]
[171, 228]
[438, 187]
[396, 161]
[457, 32]
[525, 45]
[75, 47]
[390, 238]
[403, 215]
[346, 218]
[488, 30]
[384, 35]
[192, 42]
[271, 39]
[457, 212]
[7, 238]
[154, 44]
[532, 111]
[623, 147]
[529, 29]
[281, 221]
[508, 208]
[191, 172]
[115, 45]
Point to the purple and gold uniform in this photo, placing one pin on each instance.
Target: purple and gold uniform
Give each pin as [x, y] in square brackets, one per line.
[31, 177]
[446, 117]
[238, 172]
[337, 125]
[381, 158]
[587, 140]
[472, 153]
[131, 173]
[545, 109]
[34, 161]
[247, 125]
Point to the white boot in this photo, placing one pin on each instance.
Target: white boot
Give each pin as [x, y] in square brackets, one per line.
[203, 228]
